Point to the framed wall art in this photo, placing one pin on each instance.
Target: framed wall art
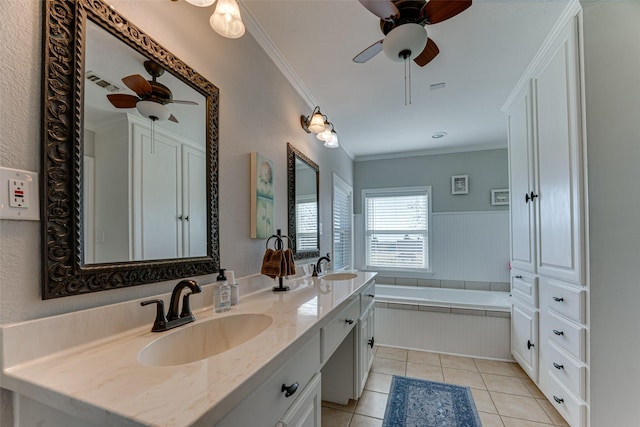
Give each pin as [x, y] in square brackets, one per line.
[460, 184]
[262, 192]
[500, 196]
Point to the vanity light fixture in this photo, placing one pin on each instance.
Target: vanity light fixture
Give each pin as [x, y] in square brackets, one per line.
[201, 3]
[318, 123]
[226, 19]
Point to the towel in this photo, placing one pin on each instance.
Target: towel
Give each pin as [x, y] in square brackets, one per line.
[290, 263]
[272, 263]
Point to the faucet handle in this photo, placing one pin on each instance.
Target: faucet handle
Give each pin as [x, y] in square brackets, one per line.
[315, 271]
[161, 320]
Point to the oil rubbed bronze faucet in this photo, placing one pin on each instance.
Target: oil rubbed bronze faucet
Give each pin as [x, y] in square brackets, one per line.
[173, 319]
[317, 269]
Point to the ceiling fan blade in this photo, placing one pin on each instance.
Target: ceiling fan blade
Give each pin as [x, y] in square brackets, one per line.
[429, 52]
[368, 53]
[138, 84]
[383, 9]
[172, 118]
[440, 10]
[122, 100]
[175, 101]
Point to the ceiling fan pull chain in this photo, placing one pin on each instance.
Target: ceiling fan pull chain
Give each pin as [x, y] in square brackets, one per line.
[409, 71]
[153, 136]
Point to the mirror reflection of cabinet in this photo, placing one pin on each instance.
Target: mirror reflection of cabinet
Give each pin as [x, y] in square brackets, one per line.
[303, 203]
[149, 195]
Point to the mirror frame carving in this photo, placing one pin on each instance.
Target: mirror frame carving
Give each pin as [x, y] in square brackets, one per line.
[292, 154]
[64, 42]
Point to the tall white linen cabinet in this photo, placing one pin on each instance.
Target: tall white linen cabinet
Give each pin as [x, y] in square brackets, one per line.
[549, 284]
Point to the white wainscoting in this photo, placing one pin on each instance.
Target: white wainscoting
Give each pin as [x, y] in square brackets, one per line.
[471, 246]
[467, 246]
[465, 335]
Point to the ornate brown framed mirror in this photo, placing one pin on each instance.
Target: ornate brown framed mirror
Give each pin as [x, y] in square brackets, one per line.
[104, 225]
[303, 194]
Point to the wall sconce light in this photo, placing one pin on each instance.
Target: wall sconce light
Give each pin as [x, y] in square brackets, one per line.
[319, 124]
[226, 19]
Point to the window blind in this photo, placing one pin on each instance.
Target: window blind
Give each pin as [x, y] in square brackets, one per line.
[342, 225]
[306, 224]
[397, 228]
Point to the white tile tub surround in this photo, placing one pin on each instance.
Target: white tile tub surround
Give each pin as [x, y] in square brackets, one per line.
[462, 322]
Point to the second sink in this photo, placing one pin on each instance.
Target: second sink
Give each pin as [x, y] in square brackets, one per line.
[339, 276]
[199, 341]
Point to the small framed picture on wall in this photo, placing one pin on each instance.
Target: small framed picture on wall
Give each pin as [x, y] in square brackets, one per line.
[460, 184]
[500, 196]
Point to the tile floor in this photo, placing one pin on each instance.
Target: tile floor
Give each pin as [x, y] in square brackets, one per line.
[503, 394]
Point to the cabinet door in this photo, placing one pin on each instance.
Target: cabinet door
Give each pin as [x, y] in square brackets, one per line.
[524, 338]
[194, 209]
[157, 196]
[366, 325]
[559, 154]
[522, 183]
[306, 411]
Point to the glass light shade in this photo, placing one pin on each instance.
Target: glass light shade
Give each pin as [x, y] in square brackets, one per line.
[201, 3]
[316, 124]
[226, 19]
[409, 37]
[325, 135]
[333, 142]
[153, 110]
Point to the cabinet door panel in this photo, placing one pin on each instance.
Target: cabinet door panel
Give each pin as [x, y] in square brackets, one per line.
[524, 338]
[559, 176]
[521, 183]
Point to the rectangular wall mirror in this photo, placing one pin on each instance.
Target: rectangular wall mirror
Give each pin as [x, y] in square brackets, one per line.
[130, 155]
[304, 204]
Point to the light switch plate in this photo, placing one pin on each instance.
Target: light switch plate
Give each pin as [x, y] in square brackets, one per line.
[19, 195]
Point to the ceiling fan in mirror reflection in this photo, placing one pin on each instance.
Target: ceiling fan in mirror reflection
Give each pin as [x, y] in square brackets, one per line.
[152, 96]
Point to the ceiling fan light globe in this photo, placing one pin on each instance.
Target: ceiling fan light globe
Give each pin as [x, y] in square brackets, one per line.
[226, 19]
[201, 3]
[405, 37]
[316, 124]
[153, 110]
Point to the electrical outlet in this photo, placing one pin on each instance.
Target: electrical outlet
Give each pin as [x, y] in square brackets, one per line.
[19, 197]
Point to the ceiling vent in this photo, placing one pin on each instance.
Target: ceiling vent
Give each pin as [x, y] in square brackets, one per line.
[106, 84]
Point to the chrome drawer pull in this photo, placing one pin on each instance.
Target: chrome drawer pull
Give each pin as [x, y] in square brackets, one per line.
[555, 365]
[558, 332]
[557, 399]
[289, 390]
[556, 299]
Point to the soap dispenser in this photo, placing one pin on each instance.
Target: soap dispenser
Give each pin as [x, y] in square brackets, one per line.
[221, 293]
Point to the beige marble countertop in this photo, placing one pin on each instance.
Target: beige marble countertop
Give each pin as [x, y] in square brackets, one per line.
[103, 382]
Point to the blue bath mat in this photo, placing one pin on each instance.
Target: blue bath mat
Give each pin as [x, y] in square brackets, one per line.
[420, 403]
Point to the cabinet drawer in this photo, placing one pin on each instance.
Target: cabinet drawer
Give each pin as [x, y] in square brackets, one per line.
[524, 287]
[566, 300]
[268, 402]
[333, 334]
[367, 296]
[570, 373]
[570, 407]
[567, 334]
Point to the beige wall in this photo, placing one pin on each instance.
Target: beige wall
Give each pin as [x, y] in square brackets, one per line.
[259, 111]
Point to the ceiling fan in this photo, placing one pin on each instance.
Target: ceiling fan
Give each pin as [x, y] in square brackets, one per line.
[152, 96]
[402, 22]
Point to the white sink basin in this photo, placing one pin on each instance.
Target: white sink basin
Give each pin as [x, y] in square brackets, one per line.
[198, 341]
[339, 276]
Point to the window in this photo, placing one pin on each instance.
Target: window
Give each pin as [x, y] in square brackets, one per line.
[306, 223]
[396, 224]
[342, 225]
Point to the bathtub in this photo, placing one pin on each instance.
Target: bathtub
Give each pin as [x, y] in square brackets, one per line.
[453, 321]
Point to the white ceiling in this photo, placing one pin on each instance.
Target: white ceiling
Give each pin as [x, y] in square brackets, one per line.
[483, 53]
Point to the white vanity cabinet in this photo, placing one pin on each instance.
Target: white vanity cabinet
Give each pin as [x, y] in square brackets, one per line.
[548, 205]
[365, 336]
[150, 194]
[269, 404]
